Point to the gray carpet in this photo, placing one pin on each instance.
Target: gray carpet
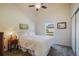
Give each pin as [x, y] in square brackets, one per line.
[59, 50]
[56, 50]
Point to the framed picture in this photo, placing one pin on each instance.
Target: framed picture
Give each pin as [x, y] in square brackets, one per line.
[49, 28]
[23, 26]
[61, 25]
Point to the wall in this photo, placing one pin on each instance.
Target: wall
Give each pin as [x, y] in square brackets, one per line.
[74, 7]
[11, 15]
[53, 14]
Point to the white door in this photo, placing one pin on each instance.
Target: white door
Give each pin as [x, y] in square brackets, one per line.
[73, 34]
[77, 34]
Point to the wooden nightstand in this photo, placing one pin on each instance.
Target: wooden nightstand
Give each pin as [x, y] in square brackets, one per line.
[13, 44]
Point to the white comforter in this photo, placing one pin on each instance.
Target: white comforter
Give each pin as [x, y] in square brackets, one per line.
[40, 44]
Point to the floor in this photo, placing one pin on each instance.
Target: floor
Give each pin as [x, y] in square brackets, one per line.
[16, 53]
[59, 50]
[56, 50]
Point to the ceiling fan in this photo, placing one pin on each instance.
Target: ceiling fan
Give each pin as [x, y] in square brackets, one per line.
[38, 6]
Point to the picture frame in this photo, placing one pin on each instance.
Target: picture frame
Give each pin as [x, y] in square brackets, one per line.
[61, 25]
[49, 29]
[23, 26]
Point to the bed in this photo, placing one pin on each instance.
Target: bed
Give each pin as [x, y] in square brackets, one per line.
[39, 44]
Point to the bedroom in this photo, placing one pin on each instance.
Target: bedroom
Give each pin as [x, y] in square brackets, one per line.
[34, 22]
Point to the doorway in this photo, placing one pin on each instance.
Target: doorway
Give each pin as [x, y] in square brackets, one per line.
[1, 43]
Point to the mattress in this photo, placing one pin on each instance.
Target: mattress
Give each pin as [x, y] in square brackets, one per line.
[39, 44]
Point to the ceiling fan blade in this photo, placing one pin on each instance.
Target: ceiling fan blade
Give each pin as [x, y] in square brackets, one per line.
[41, 3]
[44, 7]
[31, 6]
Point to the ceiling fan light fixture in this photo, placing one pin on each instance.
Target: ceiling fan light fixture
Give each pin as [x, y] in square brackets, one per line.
[38, 5]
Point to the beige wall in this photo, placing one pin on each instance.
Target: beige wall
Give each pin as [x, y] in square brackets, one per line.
[11, 15]
[74, 7]
[53, 14]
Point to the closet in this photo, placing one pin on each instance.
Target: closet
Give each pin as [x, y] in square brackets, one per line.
[75, 32]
